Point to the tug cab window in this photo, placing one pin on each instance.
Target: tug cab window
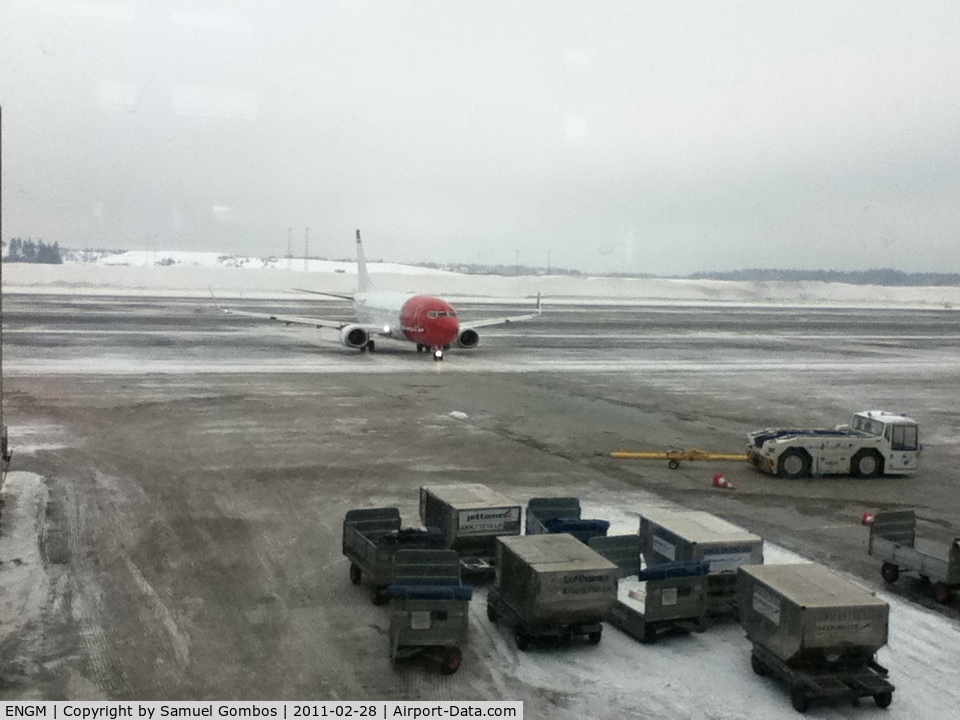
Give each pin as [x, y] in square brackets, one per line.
[866, 425]
[903, 437]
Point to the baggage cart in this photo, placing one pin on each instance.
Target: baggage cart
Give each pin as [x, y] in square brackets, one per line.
[551, 586]
[470, 517]
[622, 550]
[671, 597]
[371, 537]
[669, 536]
[429, 612]
[562, 515]
[893, 539]
[816, 632]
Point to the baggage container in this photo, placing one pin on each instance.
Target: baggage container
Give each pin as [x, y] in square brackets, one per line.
[562, 515]
[893, 539]
[666, 598]
[622, 550]
[371, 537]
[815, 630]
[669, 536]
[551, 586]
[470, 517]
[429, 612]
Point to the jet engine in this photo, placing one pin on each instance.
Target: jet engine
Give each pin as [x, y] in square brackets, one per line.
[354, 336]
[468, 338]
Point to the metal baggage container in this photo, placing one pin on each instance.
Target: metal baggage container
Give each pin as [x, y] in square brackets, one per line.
[559, 515]
[429, 614]
[470, 517]
[816, 630]
[371, 537]
[551, 585]
[680, 536]
[662, 599]
[622, 550]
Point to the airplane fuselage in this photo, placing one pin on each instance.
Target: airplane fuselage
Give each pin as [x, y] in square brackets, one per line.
[426, 320]
[423, 319]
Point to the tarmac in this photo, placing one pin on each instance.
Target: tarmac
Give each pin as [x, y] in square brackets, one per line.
[185, 475]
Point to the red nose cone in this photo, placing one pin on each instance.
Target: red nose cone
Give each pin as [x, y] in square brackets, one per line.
[429, 321]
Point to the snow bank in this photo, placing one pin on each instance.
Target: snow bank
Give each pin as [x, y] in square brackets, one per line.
[194, 274]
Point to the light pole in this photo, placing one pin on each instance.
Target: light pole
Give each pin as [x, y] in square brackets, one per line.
[5, 453]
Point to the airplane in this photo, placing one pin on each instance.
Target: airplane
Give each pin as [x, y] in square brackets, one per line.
[430, 322]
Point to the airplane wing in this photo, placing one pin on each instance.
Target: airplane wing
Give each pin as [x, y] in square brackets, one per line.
[288, 319]
[325, 294]
[291, 319]
[487, 322]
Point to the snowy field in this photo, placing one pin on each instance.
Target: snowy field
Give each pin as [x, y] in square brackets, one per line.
[191, 273]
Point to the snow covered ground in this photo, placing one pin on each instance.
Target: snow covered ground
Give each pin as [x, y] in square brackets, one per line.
[194, 273]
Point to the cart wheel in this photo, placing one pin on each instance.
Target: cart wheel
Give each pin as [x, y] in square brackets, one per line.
[379, 595]
[522, 638]
[758, 667]
[890, 572]
[451, 660]
[649, 634]
[883, 699]
[594, 637]
[492, 614]
[941, 593]
[355, 574]
[673, 464]
[799, 699]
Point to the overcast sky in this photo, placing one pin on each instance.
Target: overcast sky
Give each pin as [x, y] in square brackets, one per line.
[663, 137]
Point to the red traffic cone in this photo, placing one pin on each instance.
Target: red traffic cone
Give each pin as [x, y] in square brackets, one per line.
[868, 518]
[720, 481]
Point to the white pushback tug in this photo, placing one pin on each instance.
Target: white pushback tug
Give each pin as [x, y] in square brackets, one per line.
[875, 442]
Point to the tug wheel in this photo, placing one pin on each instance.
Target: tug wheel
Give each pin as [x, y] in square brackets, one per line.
[794, 463]
[866, 463]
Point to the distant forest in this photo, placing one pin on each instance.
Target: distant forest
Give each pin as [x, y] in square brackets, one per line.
[880, 276]
[33, 251]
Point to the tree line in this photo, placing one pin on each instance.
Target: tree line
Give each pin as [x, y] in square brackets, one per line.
[877, 276]
[33, 251]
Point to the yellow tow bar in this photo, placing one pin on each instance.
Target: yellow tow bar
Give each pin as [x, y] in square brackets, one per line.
[673, 457]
